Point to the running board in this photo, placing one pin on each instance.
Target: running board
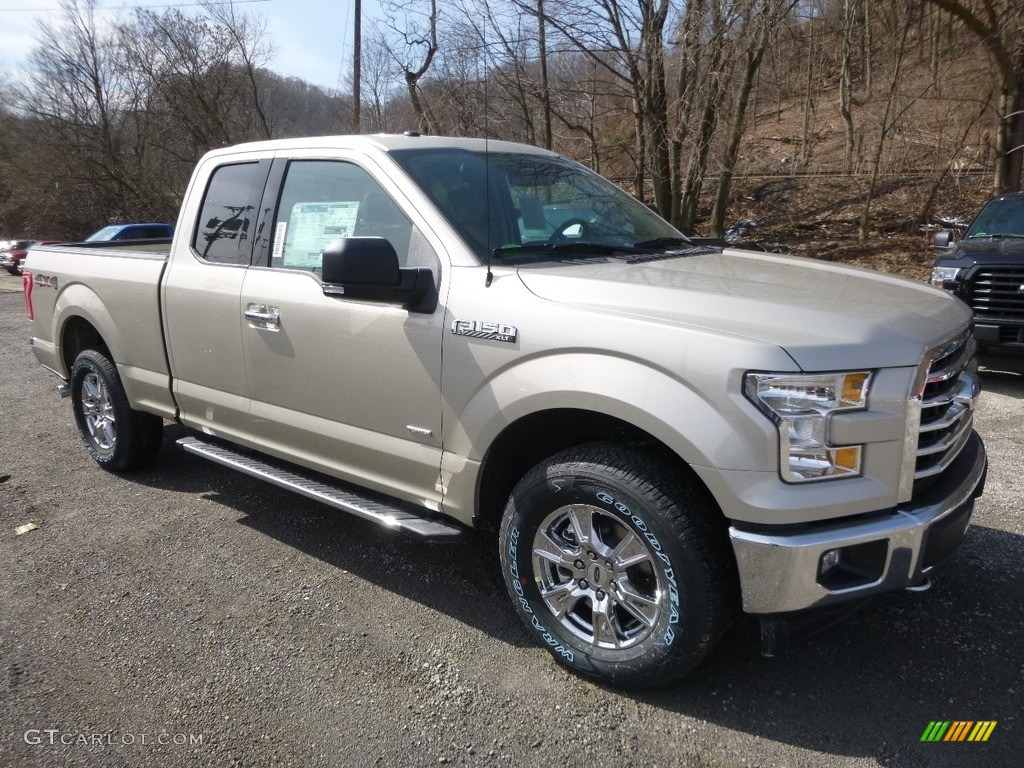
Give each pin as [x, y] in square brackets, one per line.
[383, 513]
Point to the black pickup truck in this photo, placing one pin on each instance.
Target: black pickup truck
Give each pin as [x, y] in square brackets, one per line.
[985, 269]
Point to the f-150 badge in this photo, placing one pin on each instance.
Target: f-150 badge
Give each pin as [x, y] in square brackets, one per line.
[478, 329]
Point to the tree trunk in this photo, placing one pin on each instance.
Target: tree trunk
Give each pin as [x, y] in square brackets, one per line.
[656, 106]
[805, 147]
[846, 80]
[640, 162]
[883, 132]
[1015, 130]
[769, 17]
[698, 164]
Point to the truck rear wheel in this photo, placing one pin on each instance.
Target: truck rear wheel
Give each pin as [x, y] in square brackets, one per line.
[118, 437]
[617, 566]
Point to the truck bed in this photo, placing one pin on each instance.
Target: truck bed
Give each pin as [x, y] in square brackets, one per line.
[114, 286]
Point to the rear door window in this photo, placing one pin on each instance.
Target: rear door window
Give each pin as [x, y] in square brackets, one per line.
[222, 231]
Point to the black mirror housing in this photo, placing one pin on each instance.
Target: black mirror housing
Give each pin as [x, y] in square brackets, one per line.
[366, 269]
[360, 261]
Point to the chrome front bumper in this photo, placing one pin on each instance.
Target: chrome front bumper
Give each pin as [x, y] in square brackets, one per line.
[781, 573]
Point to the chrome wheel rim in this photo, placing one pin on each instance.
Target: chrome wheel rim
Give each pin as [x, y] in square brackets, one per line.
[597, 576]
[98, 412]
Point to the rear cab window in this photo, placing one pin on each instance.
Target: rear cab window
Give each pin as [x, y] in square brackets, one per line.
[222, 233]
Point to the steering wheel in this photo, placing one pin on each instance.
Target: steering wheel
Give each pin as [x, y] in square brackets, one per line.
[559, 233]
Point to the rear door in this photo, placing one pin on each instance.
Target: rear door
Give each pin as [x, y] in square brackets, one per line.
[201, 298]
[343, 386]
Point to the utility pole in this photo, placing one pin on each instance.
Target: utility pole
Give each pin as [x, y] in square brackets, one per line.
[357, 64]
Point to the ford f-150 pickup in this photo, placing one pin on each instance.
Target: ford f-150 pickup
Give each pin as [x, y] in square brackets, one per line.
[986, 271]
[438, 334]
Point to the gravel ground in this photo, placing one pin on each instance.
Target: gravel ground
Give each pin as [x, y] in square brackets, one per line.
[190, 604]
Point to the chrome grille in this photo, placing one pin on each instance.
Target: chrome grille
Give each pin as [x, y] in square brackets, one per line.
[947, 406]
[997, 294]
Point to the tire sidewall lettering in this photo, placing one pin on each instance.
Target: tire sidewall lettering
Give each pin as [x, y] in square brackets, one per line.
[524, 603]
[517, 582]
[669, 571]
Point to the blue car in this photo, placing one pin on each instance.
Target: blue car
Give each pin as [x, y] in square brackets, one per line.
[148, 231]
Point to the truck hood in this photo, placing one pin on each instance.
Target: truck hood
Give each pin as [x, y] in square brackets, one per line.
[826, 317]
[990, 250]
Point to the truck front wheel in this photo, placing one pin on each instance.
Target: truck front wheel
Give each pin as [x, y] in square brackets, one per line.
[118, 437]
[617, 566]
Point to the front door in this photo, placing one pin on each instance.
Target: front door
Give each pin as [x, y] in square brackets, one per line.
[342, 386]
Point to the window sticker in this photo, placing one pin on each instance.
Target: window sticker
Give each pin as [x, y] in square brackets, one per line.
[312, 226]
[282, 227]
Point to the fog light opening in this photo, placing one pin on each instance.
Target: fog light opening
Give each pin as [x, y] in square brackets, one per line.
[858, 565]
[829, 561]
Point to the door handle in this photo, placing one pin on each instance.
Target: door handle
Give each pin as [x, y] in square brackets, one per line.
[263, 316]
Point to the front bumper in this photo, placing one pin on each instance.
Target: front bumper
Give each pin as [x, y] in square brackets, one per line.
[1005, 339]
[781, 573]
[8, 263]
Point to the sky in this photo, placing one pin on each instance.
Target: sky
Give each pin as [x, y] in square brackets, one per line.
[312, 38]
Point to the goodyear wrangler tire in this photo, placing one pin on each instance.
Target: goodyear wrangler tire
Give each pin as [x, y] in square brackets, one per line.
[118, 437]
[617, 565]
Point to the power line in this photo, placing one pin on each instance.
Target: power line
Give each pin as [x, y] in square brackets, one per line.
[135, 7]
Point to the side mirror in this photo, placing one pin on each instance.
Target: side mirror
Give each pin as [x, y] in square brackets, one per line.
[366, 269]
[943, 238]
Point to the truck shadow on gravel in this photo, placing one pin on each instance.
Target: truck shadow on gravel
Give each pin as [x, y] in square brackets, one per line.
[461, 579]
[870, 686]
[866, 688]
[1006, 378]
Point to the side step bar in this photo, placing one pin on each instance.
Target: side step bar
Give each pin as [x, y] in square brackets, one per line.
[389, 515]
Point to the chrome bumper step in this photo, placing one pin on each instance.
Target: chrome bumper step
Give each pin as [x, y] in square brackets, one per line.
[390, 515]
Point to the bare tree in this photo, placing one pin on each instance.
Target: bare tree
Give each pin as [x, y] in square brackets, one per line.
[904, 22]
[999, 25]
[846, 79]
[702, 97]
[76, 96]
[380, 81]
[412, 37]
[250, 47]
[764, 18]
[627, 39]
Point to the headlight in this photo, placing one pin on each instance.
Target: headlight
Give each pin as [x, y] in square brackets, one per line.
[943, 275]
[800, 406]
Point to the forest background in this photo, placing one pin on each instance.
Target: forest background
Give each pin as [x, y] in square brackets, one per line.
[839, 129]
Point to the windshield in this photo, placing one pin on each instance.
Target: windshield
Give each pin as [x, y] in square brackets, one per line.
[104, 234]
[1002, 217]
[518, 205]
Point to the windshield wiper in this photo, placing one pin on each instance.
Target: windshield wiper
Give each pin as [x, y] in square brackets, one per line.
[996, 236]
[574, 248]
[663, 242]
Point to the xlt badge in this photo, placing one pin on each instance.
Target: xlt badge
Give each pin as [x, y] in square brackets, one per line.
[478, 329]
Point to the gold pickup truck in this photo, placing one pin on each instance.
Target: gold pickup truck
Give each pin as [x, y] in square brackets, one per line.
[438, 334]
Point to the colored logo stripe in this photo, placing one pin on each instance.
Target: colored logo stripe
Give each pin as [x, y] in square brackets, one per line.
[935, 731]
[982, 730]
[958, 730]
